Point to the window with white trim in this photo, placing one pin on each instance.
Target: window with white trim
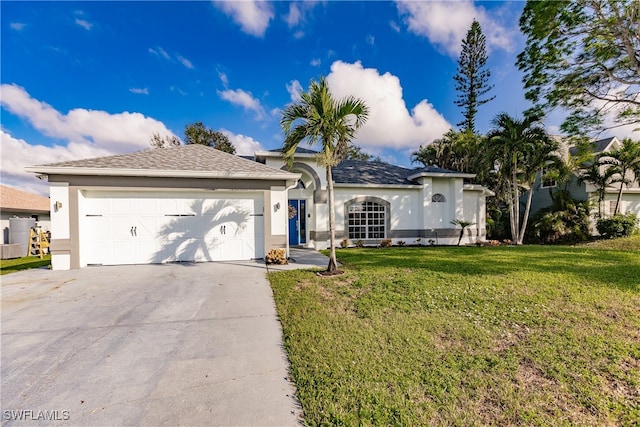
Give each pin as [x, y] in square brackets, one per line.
[438, 198]
[366, 220]
[547, 182]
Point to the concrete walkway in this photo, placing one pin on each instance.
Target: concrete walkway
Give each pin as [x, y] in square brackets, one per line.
[302, 258]
[172, 344]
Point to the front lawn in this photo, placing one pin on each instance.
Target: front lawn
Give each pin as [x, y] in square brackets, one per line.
[25, 263]
[532, 335]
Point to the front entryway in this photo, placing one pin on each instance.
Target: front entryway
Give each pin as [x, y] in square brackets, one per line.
[297, 222]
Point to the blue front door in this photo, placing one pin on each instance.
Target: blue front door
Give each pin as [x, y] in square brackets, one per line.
[297, 222]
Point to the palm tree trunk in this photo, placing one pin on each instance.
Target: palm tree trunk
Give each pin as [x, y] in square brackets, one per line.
[526, 214]
[516, 201]
[333, 263]
[512, 212]
[617, 210]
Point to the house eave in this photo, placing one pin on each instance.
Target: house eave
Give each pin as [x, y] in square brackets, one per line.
[402, 186]
[48, 170]
[440, 175]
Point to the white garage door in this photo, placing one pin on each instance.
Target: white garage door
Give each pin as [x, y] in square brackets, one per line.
[154, 227]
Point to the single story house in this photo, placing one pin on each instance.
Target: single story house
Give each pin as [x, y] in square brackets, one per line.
[21, 204]
[195, 203]
[376, 200]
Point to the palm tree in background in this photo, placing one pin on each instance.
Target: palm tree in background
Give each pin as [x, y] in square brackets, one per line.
[625, 160]
[318, 118]
[520, 148]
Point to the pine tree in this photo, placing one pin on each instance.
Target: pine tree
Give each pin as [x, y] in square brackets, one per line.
[472, 80]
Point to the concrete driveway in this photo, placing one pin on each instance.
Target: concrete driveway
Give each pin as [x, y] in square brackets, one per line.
[173, 344]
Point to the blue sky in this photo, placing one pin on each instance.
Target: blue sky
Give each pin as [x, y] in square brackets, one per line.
[85, 79]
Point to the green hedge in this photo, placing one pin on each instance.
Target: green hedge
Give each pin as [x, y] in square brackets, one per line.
[618, 225]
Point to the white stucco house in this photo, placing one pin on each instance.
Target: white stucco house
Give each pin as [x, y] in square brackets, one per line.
[195, 203]
[377, 200]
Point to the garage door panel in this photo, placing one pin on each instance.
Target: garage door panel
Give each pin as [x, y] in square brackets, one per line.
[159, 227]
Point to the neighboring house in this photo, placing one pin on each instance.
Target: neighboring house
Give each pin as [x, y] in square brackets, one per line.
[18, 203]
[188, 203]
[376, 201]
[584, 191]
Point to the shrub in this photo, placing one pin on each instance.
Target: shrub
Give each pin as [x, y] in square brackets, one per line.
[617, 226]
[360, 243]
[568, 224]
[402, 243]
[276, 256]
[344, 243]
[385, 243]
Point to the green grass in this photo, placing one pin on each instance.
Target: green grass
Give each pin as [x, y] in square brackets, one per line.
[623, 244]
[466, 336]
[25, 263]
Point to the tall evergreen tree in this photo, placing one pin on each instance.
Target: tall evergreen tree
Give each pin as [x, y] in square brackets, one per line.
[472, 80]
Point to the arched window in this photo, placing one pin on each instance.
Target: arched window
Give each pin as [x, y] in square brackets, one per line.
[367, 220]
[438, 198]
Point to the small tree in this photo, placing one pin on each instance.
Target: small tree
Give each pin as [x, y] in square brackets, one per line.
[463, 224]
[198, 133]
[355, 153]
[158, 141]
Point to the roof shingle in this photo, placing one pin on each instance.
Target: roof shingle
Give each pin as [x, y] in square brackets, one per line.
[368, 172]
[186, 158]
[17, 200]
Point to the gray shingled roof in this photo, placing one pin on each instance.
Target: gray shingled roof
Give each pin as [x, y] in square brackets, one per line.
[192, 158]
[596, 146]
[367, 172]
[299, 150]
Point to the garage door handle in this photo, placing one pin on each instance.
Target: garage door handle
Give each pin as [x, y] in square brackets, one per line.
[223, 229]
[134, 231]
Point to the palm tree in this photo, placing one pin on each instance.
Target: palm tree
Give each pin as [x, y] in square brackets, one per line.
[626, 162]
[520, 148]
[601, 177]
[319, 118]
[463, 226]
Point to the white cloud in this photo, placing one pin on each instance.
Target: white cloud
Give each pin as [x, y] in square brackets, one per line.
[18, 154]
[394, 26]
[158, 51]
[315, 62]
[245, 145]
[84, 23]
[161, 53]
[84, 134]
[390, 123]
[184, 61]
[371, 40]
[177, 89]
[294, 16]
[298, 34]
[445, 24]
[139, 90]
[18, 26]
[243, 99]
[295, 89]
[253, 16]
[223, 78]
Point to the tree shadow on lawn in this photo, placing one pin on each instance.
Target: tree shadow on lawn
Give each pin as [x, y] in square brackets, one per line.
[618, 269]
